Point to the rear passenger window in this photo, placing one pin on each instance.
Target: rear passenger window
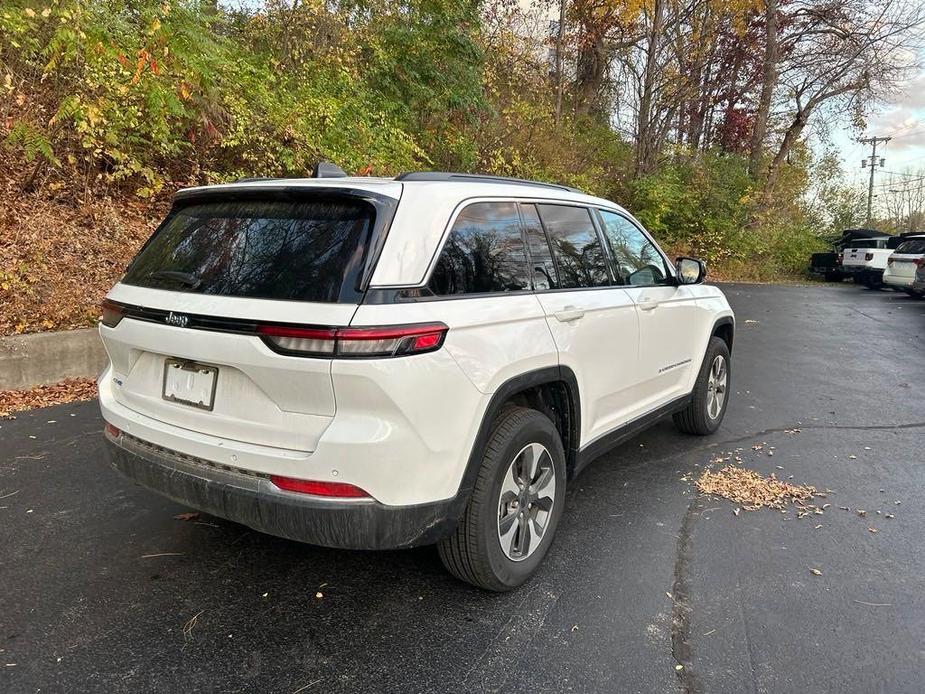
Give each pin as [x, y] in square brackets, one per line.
[911, 247]
[579, 255]
[484, 252]
[637, 260]
[541, 262]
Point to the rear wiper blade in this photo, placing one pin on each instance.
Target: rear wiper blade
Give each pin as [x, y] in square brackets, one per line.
[186, 278]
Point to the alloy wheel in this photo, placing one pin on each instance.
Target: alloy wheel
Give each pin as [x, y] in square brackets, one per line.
[528, 492]
[716, 386]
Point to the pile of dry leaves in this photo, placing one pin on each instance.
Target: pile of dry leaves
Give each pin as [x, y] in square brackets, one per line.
[70, 390]
[750, 489]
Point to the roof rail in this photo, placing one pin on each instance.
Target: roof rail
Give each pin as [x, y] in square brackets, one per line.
[251, 179]
[476, 178]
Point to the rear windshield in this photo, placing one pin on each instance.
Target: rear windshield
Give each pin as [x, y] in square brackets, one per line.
[310, 250]
[863, 244]
[916, 246]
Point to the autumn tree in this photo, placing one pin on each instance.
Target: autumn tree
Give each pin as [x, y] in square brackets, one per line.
[838, 56]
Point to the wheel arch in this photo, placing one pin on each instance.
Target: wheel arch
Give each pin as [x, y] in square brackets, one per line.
[724, 329]
[552, 390]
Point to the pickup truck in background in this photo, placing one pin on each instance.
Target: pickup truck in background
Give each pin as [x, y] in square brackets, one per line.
[827, 264]
[865, 260]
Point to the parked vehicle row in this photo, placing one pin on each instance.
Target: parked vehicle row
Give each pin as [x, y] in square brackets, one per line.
[378, 363]
[875, 260]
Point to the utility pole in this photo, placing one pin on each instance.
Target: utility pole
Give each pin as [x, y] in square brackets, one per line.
[872, 160]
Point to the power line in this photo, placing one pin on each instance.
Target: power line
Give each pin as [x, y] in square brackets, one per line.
[901, 173]
[912, 134]
[903, 128]
[897, 186]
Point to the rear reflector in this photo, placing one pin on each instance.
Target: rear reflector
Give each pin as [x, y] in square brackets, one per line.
[388, 341]
[112, 431]
[112, 314]
[331, 489]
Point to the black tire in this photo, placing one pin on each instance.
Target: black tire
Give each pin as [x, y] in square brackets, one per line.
[695, 418]
[473, 553]
[913, 293]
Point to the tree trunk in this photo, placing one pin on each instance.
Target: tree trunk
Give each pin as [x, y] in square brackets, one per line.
[559, 78]
[591, 68]
[768, 81]
[790, 138]
[645, 135]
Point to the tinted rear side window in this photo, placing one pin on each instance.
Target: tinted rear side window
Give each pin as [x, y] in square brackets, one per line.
[309, 250]
[541, 263]
[577, 248]
[912, 247]
[484, 252]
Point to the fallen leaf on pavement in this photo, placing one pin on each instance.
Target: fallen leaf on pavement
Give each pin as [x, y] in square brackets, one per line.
[188, 516]
[188, 627]
[815, 572]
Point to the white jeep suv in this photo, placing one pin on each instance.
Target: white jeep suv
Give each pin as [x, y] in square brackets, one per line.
[385, 363]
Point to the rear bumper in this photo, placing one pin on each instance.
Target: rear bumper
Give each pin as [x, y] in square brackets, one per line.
[897, 281]
[254, 501]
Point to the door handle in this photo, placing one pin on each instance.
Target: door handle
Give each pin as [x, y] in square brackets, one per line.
[569, 313]
[648, 305]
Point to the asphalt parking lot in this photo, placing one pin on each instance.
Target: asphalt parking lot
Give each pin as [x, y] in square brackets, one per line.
[102, 589]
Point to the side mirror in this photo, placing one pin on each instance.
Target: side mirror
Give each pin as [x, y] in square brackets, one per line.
[690, 270]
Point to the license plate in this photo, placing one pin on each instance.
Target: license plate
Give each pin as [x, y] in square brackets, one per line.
[189, 383]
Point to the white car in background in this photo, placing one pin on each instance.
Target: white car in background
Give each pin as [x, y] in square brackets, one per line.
[903, 264]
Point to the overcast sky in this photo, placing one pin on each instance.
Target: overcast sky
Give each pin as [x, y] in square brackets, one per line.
[902, 117]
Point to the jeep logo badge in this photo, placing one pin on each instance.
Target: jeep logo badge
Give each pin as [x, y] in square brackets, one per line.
[177, 319]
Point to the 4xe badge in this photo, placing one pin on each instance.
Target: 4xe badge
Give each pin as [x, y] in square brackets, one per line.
[177, 319]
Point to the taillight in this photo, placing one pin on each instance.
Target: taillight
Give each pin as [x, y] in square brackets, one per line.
[316, 341]
[839, 258]
[331, 489]
[919, 262]
[112, 314]
[388, 341]
[112, 431]
[868, 256]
